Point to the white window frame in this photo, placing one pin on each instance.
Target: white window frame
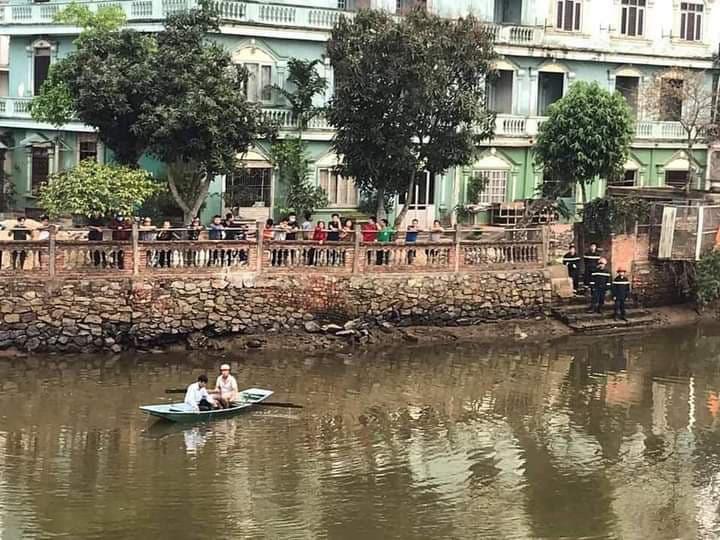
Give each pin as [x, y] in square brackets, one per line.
[695, 10]
[88, 137]
[333, 197]
[259, 86]
[496, 190]
[626, 8]
[576, 23]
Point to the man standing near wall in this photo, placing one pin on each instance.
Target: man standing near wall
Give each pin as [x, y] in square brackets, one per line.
[599, 281]
[572, 261]
[590, 262]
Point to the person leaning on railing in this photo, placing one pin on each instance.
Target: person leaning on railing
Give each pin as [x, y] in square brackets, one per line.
[166, 234]
[20, 233]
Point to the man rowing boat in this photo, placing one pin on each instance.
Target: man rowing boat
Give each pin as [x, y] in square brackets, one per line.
[226, 387]
[198, 397]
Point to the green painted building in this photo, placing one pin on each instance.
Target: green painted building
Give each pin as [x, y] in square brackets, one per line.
[544, 46]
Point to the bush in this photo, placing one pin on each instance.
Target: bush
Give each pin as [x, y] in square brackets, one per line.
[614, 215]
[707, 279]
[92, 188]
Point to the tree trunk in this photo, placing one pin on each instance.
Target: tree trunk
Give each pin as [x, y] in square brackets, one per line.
[691, 166]
[201, 186]
[408, 200]
[380, 209]
[583, 190]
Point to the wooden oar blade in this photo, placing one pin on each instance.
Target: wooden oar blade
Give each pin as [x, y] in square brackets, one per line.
[279, 404]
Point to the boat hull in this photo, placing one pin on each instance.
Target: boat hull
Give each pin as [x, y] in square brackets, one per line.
[179, 412]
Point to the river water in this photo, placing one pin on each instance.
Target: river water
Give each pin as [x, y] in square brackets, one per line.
[612, 437]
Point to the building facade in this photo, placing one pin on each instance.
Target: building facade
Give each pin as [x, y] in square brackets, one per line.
[544, 46]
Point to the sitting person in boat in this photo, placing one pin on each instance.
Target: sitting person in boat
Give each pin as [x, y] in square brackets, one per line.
[226, 387]
[198, 397]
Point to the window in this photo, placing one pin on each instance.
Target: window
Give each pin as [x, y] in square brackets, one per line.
[627, 87]
[340, 191]
[568, 15]
[628, 179]
[500, 92]
[671, 98]
[550, 89]
[249, 187]
[41, 66]
[554, 188]
[4, 83]
[342, 4]
[402, 6]
[691, 21]
[632, 19]
[87, 147]
[40, 167]
[258, 84]
[676, 178]
[508, 11]
[495, 187]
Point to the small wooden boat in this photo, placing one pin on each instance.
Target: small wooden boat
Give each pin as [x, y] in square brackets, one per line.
[180, 412]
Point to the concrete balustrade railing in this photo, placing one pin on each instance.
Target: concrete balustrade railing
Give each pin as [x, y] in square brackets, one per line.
[150, 10]
[456, 251]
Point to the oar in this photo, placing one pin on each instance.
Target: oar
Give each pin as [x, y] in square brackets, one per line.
[259, 403]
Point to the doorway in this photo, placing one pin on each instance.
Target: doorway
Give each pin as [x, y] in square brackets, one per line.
[551, 87]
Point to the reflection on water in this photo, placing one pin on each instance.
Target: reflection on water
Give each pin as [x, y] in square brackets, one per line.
[603, 437]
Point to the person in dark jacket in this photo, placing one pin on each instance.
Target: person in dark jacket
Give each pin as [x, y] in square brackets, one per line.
[20, 233]
[620, 292]
[599, 282]
[572, 261]
[590, 263]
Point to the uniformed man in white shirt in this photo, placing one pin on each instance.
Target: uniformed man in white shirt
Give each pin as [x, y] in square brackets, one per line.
[197, 397]
[226, 387]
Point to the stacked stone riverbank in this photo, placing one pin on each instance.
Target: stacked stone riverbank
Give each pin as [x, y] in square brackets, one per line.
[86, 315]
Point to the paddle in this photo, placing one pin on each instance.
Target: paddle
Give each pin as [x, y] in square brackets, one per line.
[259, 403]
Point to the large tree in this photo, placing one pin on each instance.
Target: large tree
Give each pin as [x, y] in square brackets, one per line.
[107, 82]
[409, 97]
[586, 136]
[173, 94]
[202, 121]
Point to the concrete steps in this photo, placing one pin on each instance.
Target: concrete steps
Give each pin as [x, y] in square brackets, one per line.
[576, 317]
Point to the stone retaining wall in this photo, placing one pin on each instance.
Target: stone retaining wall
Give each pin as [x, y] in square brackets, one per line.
[114, 314]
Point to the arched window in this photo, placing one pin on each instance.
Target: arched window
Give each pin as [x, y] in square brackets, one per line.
[41, 57]
[260, 66]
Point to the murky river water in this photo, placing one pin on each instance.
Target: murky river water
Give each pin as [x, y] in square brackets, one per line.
[588, 438]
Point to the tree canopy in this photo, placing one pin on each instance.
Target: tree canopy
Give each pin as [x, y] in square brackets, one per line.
[289, 155]
[408, 96]
[586, 136]
[92, 188]
[173, 94]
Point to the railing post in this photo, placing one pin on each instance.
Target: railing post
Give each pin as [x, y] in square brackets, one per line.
[260, 248]
[545, 245]
[356, 254]
[51, 251]
[135, 249]
[458, 239]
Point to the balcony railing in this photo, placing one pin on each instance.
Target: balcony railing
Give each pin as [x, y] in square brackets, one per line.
[517, 35]
[16, 107]
[145, 10]
[506, 125]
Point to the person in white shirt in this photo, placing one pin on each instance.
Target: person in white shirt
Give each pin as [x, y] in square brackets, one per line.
[226, 387]
[197, 397]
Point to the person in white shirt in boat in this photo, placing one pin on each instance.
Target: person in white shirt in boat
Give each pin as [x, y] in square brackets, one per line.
[198, 397]
[226, 387]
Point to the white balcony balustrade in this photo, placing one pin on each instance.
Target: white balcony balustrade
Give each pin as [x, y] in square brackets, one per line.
[149, 10]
